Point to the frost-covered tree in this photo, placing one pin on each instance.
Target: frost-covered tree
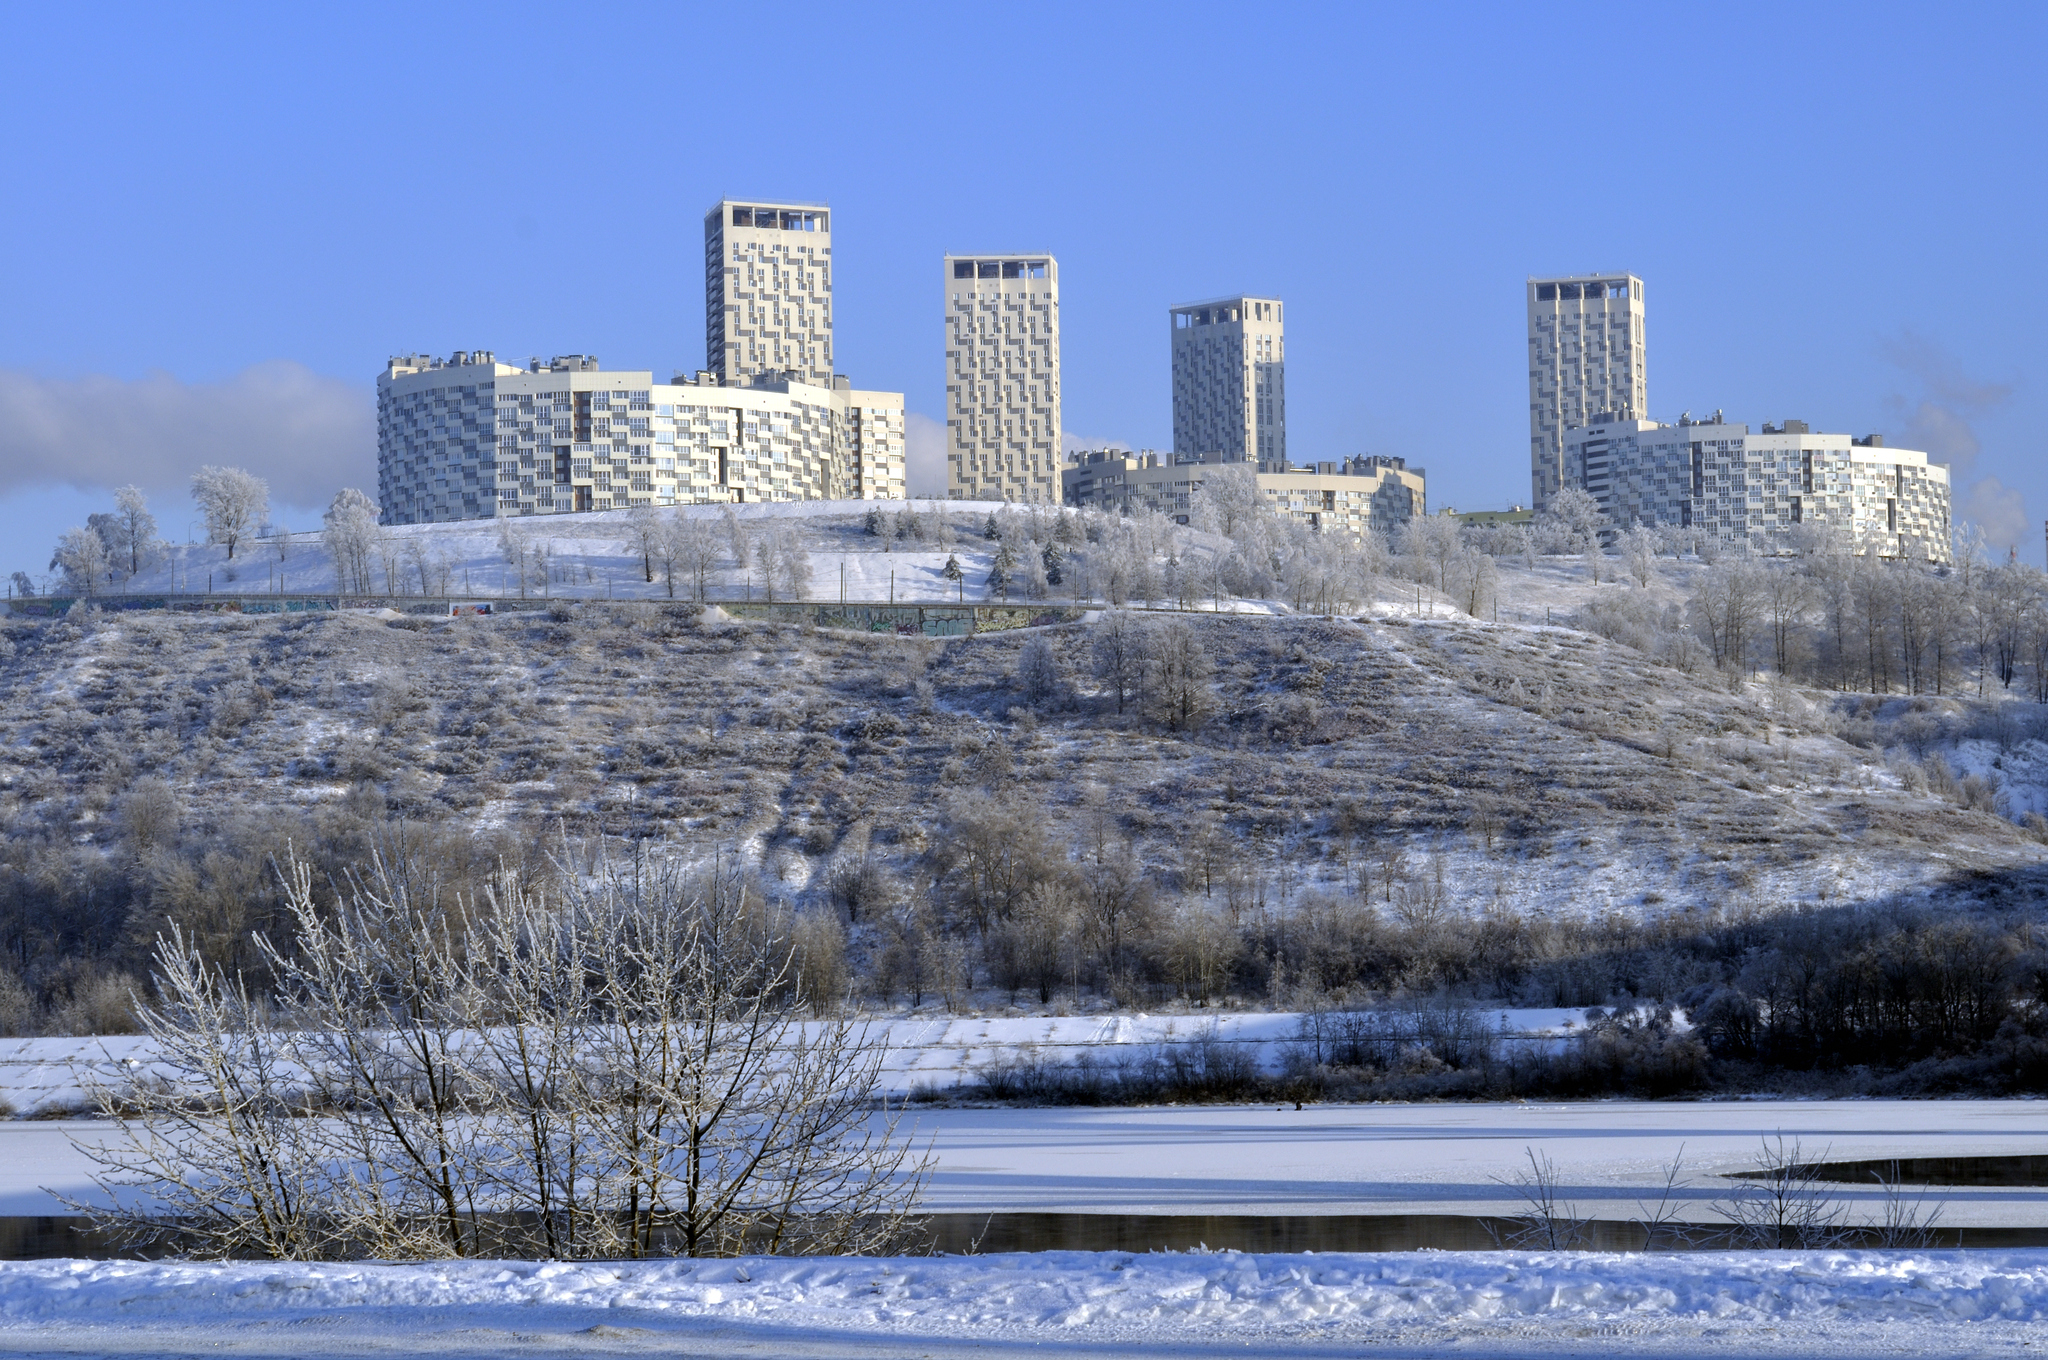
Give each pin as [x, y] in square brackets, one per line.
[952, 571]
[82, 556]
[1038, 671]
[1037, 584]
[1054, 557]
[1427, 546]
[130, 531]
[1639, 551]
[738, 544]
[793, 564]
[1228, 501]
[1178, 668]
[350, 531]
[1002, 573]
[233, 502]
[871, 523]
[1727, 601]
[1571, 522]
[695, 548]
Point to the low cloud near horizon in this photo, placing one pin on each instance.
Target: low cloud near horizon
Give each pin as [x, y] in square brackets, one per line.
[306, 434]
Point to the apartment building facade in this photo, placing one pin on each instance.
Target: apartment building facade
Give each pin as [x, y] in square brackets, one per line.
[471, 438]
[768, 292]
[1586, 359]
[1370, 492]
[1003, 378]
[1230, 380]
[1746, 488]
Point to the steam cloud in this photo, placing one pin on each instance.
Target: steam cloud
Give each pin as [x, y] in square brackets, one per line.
[307, 435]
[1071, 443]
[1943, 423]
[924, 456]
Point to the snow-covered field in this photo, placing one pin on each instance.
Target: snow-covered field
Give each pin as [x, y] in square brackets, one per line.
[1065, 1303]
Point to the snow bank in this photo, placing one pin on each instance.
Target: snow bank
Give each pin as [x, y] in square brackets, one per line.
[1917, 1301]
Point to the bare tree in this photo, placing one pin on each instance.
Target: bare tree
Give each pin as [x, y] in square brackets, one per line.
[697, 556]
[233, 501]
[1788, 595]
[1119, 654]
[1178, 669]
[214, 1154]
[1783, 1202]
[1547, 1221]
[627, 1071]
[665, 545]
[646, 526]
[730, 1123]
[1725, 604]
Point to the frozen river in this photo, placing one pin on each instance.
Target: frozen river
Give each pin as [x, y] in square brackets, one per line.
[1350, 1159]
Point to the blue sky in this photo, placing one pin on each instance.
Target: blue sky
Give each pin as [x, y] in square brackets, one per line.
[224, 219]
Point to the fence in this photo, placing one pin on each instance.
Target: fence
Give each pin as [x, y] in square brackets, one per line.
[910, 620]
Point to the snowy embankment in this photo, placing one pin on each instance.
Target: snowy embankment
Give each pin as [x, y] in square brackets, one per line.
[1084, 1303]
[50, 1076]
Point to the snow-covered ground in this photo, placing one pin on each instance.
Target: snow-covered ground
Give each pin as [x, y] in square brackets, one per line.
[1352, 1159]
[596, 555]
[1065, 1303]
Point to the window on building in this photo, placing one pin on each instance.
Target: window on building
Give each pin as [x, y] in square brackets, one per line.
[1546, 292]
[963, 269]
[989, 269]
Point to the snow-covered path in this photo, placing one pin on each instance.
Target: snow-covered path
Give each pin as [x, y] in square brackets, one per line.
[1071, 1304]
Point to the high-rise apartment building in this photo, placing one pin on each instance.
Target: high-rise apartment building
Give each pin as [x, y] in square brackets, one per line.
[1230, 381]
[1585, 362]
[1757, 489]
[1003, 378]
[768, 292]
[471, 438]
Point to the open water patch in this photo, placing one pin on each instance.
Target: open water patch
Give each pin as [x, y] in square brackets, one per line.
[24, 1238]
[1975, 1172]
